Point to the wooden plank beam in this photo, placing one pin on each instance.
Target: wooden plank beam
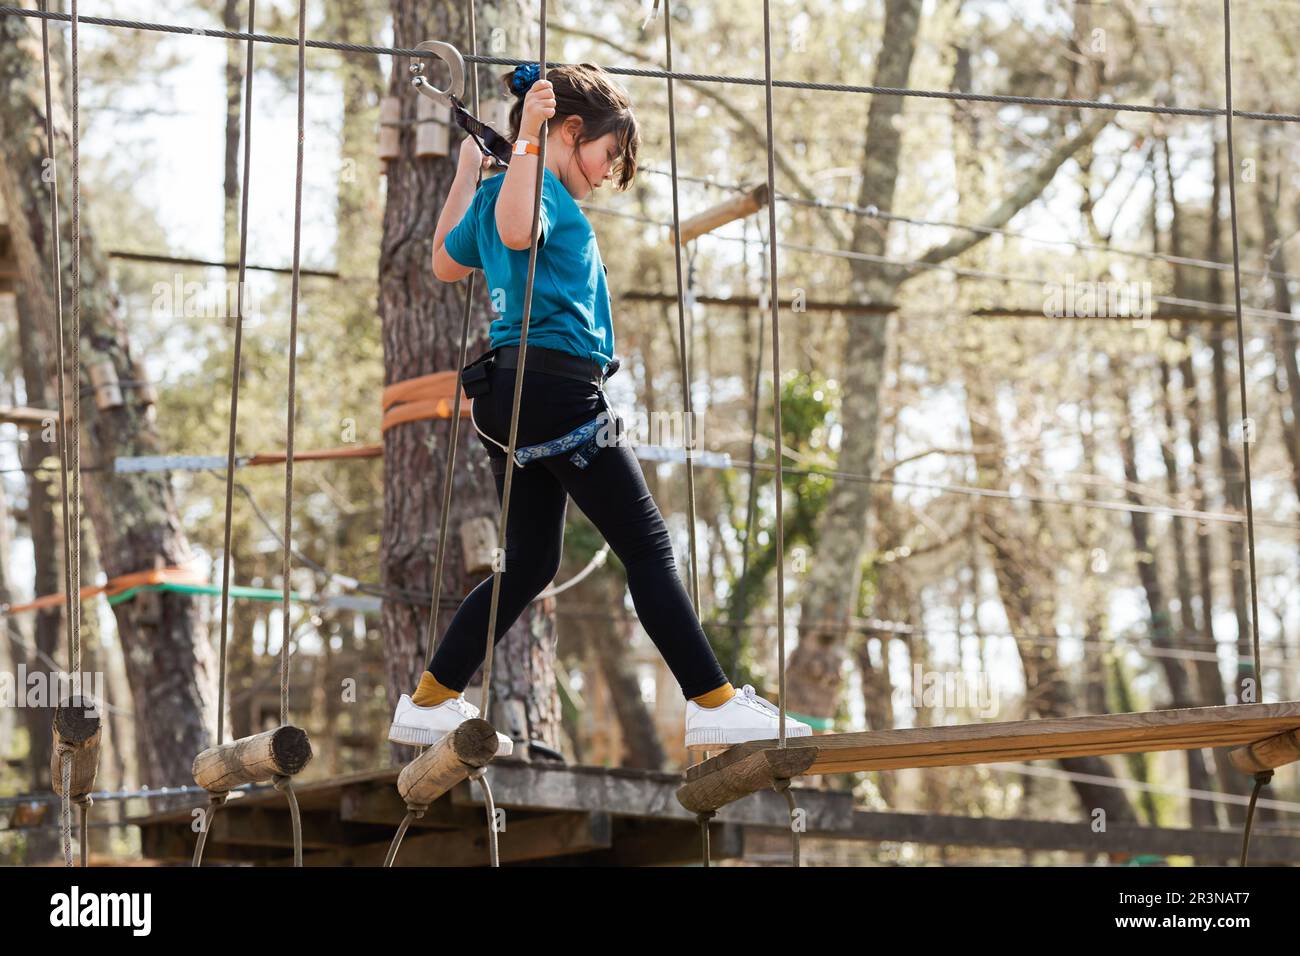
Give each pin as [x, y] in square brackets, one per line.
[25, 417]
[1049, 835]
[1051, 738]
[381, 804]
[177, 843]
[671, 843]
[534, 839]
[746, 204]
[638, 793]
[659, 843]
[262, 826]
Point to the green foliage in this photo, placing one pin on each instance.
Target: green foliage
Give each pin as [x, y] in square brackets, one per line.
[808, 401]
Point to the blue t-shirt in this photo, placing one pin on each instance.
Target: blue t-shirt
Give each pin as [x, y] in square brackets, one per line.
[571, 308]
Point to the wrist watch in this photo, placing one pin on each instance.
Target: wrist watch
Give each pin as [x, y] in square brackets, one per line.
[523, 146]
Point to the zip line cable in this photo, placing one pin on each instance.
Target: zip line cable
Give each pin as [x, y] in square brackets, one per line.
[654, 74]
[234, 382]
[871, 212]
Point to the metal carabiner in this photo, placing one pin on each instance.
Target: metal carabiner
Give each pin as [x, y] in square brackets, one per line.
[490, 142]
[449, 55]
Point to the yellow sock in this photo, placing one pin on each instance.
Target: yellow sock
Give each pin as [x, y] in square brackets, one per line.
[716, 698]
[430, 693]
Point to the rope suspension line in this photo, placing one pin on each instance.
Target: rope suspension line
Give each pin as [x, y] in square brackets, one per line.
[453, 437]
[1261, 777]
[1246, 435]
[502, 524]
[293, 375]
[689, 430]
[74, 517]
[240, 298]
[76, 740]
[774, 301]
[782, 783]
[914, 265]
[1159, 110]
[71, 569]
[416, 806]
[751, 489]
[282, 752]
[884, 215]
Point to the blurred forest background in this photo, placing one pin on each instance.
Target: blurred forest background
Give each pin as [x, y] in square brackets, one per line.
[1043, 513]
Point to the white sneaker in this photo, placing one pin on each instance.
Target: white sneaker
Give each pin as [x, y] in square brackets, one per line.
[747, 716]
[422, 726]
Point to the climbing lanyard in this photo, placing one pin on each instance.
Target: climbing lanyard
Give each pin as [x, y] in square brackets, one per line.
[489, 140]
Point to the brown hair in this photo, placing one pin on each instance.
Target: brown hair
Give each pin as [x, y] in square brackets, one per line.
[588, 92]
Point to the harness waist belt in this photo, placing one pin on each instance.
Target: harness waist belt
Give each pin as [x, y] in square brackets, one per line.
[555, 362]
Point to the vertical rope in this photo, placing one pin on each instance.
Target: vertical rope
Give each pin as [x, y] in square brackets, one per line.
[479, 774]
[1261, 778]
[74, 530]
[65, 762]
[751, 502]
[70, 462]
[1241, 345]
[84, 839]
[72, 595]
[774, 303]
[293, 371]
[454, 434]
[703, 818]
[234, 378]
[396, 845]
[681, 313]
[519, 380]
[1265, 776]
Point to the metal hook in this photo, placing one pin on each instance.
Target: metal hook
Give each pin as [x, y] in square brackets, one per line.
[490, 142]
[449, 55]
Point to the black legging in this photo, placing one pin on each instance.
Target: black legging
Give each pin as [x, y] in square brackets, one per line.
[611, 491]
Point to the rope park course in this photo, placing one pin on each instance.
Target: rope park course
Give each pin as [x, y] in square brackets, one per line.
[1264, 735]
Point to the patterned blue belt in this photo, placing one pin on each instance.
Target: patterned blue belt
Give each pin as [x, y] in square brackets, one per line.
[583, 441]
[583, 438]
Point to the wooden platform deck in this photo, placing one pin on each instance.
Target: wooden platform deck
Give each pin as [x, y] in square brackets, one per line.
[594, 816]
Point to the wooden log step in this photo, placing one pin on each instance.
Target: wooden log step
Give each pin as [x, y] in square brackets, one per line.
[76, 732]
[446, 763]
[283, 751]
[758, 770]
[1267, 754]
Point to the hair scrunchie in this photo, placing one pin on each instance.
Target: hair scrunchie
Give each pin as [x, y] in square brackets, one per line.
[525, 75]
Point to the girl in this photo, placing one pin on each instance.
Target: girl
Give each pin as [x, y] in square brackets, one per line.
[561, 449]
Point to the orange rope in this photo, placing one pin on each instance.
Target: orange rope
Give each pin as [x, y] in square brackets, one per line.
[353, 451]
[116, 586]
[416, 399]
